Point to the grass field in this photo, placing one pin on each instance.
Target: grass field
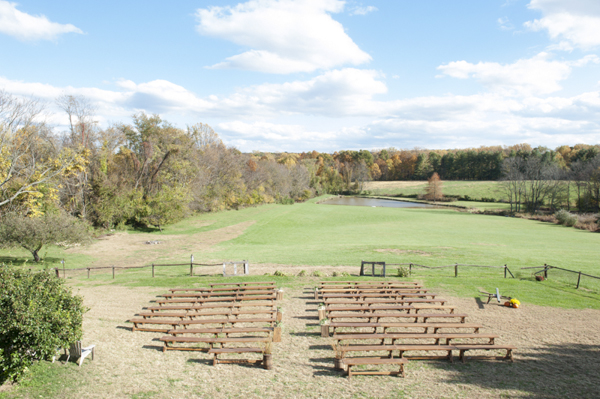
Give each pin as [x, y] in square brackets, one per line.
[474, 189]
[555, 330]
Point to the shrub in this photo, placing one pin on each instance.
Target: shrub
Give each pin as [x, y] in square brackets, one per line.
[566, 218]
[38, 315]
[279, 274]
[345, 274]
[302, 273]
[403, 272]
[318, 273]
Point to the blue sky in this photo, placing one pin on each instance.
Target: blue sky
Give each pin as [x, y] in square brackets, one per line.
[298, 75]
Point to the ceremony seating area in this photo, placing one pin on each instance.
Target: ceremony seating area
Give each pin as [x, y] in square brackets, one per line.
[236, 318]
[382, 319]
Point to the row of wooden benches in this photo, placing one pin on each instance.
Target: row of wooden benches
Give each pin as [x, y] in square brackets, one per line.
[380, 300]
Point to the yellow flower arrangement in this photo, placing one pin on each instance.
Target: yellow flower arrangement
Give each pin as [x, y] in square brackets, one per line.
[515, 303]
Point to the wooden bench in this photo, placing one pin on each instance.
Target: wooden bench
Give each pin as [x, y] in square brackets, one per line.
[243, 283]
[369, 302]
[363, 296]
[367, 283]
[204, 306]
[235, 313]
[401, 349]
[384, 290]
[387, 325]
[226, 331]
[415, 316]
[360, 361]
[415, 336]
[220, 351]
[170, 339]
[464, 348]
[186, 323]
[367, 310]
[152, 322]
[272, 298]
[213, 294]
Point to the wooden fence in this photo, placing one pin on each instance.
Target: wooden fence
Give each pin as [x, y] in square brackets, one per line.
[416, 266]
[153, 266]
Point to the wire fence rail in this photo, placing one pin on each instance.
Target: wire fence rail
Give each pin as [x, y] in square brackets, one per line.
[576, 278]
[192, 265]
[380, 269]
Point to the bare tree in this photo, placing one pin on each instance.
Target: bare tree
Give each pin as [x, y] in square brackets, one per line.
[434, 188]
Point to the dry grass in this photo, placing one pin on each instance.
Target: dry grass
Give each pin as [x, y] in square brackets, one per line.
[132, 250]
[558, 356]
[382, 185]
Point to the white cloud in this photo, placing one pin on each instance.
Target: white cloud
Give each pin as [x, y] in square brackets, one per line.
[505, 24]
[536, 75]
[363, 10]
[28, 27]
[339, 109]
[574, 23]
[284, 36]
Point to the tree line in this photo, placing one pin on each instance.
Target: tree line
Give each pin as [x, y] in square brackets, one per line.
[150, 173]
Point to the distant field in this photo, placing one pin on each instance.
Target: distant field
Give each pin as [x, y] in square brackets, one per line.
[474, 189]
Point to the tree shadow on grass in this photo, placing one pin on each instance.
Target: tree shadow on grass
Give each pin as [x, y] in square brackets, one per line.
[551, 371]
[47, 261]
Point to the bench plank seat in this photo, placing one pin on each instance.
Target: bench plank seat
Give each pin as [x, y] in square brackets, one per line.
[169, 339]
[403, 348]
[368, 302]
[360, 361]
[385, 325]
[228, 305]
[464, 348]
[218, 299]
[186, 323]
[416, 316]
[219, 351]
[226, 331]
[399, 336]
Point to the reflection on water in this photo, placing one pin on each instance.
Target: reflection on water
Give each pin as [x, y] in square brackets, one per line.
[374, 202]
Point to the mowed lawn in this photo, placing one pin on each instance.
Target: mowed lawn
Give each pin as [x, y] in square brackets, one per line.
[318, 234]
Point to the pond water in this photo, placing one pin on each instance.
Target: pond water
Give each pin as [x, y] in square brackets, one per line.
[356, 201]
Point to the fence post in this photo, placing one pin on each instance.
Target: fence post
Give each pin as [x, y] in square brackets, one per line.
[545, 271]
[578, 280]
[456, 270]
[153, 270]
[245, 267]
[410, 269]
[504, 271]
[88, 272]
[113, 272]
[224, 273]
[57, 272]
[192, 265]
[64, 272]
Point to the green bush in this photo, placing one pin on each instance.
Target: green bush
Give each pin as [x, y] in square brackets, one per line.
[279, 274]
[302, 273]
[38, 315]
[318, 273]
[566, 218]
[403, 272]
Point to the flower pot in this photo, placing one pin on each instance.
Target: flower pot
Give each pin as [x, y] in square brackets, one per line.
[268, 361]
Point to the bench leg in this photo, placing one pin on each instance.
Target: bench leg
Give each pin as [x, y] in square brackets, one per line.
[509, 355]
[215, 360]
[402, 369]
[450, 356]
[349, 372]
[462, 355]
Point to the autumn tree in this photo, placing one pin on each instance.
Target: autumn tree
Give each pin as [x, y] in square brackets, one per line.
[434, 188]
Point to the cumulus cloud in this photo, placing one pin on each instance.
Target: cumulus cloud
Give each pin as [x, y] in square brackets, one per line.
[340, 109]
[574, 23]
[284, 36]
[536, 75]
[29, 27]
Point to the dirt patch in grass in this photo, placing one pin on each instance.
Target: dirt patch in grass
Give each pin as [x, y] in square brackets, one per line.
[403, 251]
[558, 356]
[122, 248]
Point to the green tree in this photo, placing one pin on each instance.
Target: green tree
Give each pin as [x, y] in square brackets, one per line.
[32, 233]
[38, 315]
